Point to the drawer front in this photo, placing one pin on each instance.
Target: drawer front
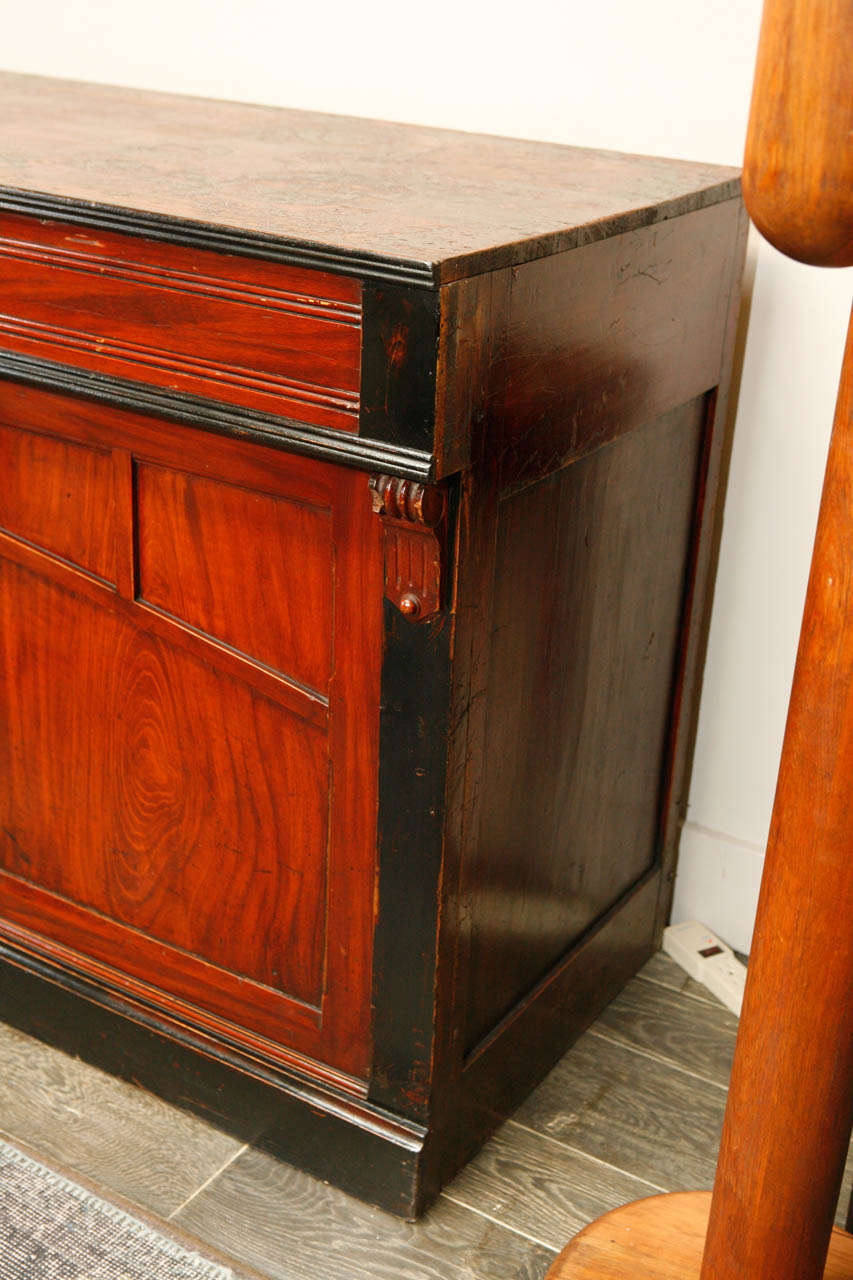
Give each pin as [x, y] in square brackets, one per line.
[285, 340]
[190, 648]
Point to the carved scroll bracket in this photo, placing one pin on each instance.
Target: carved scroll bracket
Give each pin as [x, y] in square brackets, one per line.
[414, 520]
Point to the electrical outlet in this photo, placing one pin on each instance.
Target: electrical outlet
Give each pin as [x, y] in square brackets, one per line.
[707, 959]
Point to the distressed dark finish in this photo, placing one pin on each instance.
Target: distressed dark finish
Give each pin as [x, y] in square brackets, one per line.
[413, 768]
[398, 365]
[342, 743]
[576, 742]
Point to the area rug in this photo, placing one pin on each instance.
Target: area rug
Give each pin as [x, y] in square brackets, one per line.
[53, 1229]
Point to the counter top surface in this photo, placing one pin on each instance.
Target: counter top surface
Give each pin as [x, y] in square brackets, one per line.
[448, 204]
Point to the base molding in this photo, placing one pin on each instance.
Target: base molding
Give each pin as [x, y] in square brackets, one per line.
[311, 1120]
[520, 1051]
[332, 1135]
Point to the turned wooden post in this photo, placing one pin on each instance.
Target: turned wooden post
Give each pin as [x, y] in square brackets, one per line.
[789, 1110]
[791, 1096]
[798, 164]
[790, 1104]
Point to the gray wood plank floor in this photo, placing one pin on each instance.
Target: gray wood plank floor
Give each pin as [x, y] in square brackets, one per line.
[636, 1106]
[90, 1123]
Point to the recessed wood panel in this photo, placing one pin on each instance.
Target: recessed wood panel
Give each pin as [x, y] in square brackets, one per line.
[282, 339]
[588, 597]
[177, 819]
[252, 570]
[143, 783]
[59, 496]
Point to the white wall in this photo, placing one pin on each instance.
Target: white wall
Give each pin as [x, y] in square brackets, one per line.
[664, 77]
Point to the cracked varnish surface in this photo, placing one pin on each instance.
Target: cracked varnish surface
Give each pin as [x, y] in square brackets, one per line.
[409, 193]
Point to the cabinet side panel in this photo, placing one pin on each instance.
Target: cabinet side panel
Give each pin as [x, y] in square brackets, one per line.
[611, 336]
[589, 588]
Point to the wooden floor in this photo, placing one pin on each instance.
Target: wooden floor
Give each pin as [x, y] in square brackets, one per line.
[634, 1108]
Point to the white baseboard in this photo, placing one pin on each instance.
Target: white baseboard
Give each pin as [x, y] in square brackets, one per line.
[717, 882]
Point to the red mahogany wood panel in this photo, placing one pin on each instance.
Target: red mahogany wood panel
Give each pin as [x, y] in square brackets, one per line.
[59, 496]
[282, 339]
[204, 556]
[172, 810]
[158, 806]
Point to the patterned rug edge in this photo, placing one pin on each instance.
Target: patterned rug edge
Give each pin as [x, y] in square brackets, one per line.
[212, 1264]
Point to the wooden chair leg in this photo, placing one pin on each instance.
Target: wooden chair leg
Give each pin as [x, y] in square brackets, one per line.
[790, 1103]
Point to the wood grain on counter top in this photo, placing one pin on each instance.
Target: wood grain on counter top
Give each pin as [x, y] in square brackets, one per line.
[450, 203]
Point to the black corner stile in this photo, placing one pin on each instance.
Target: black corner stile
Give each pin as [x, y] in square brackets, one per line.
[414, 725]
[398, 365]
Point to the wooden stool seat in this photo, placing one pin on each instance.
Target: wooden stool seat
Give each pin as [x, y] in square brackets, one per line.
[661, 1238]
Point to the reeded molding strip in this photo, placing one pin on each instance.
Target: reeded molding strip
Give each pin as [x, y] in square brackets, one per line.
[202, 235]
[107, 268]
[341, 447]
[194, 366]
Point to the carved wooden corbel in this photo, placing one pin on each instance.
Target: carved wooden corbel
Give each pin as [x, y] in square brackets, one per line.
[413, 518]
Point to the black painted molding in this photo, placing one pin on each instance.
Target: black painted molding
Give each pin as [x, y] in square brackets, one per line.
[399, 358]
[202, 235]
[331, 1134]
[343, 448]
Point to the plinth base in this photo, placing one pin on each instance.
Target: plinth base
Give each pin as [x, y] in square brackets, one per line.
[661, 1238]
